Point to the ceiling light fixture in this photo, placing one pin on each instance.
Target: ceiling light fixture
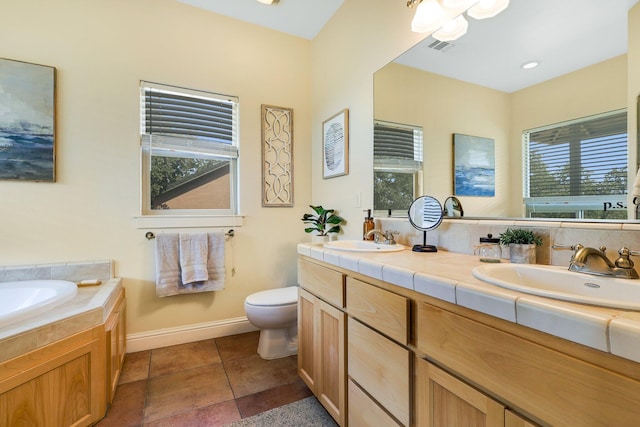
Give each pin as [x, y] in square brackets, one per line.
[444, 18]
[269, 1]
[487, 8]
[452, 30]
[529, 65]
[429, 16]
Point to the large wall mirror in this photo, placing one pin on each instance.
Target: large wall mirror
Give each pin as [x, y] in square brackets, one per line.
[476, 86]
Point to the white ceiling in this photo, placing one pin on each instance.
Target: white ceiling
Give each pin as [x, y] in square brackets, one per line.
[302, 18]
[565, 35]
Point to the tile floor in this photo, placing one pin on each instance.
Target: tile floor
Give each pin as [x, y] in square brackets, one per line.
[206, 383]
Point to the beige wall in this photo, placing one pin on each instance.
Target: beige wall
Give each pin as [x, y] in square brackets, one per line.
[101, 50]
[362, 36]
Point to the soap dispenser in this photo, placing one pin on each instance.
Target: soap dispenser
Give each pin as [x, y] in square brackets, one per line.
[368, 226]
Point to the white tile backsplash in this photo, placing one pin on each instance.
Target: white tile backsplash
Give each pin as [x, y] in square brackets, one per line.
[72, 271]
[460, 235]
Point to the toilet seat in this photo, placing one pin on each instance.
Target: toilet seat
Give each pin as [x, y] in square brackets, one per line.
[274, 297]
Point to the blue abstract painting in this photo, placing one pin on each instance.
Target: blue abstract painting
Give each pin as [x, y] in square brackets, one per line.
[474, 166]
[27, 121]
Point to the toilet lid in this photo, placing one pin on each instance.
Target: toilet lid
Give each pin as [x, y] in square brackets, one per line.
[272, 297]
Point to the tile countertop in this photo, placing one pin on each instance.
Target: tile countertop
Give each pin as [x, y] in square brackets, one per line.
[87, 309]
[447, 276]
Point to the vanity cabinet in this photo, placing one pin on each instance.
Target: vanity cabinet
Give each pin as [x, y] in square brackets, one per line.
[444, 400]
[415, 360]
[527, 377]
[379, 363]
[321, 336]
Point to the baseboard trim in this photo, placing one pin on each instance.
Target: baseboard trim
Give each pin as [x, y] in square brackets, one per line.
[190, 333]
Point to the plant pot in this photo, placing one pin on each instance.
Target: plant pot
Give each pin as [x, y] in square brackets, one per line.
[319, 240]
[522, 254]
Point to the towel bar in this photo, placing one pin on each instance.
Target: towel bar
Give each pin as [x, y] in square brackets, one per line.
[149, 234]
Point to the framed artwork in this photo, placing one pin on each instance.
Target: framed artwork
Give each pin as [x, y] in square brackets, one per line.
[474, 166]
[277, 156]
[27, 122]
[335, 145]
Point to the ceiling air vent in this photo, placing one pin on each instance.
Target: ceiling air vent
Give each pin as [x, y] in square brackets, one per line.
[440, 46]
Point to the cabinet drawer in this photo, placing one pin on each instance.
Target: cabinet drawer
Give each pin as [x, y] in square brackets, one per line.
[364, 412]
[322, 282]
[381, 368]
[382, 310]
[543, 383]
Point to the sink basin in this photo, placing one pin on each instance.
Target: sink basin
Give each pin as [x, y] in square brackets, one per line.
[560, 283]
[362, 246]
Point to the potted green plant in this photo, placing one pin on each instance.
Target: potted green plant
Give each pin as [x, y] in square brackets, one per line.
[522, 245]
[322, 221]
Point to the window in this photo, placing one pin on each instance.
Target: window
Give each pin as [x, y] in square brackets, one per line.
[189, 145]
[577, 169]
[397, 167]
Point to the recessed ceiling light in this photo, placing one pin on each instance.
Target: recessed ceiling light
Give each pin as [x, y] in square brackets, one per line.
[529, 65]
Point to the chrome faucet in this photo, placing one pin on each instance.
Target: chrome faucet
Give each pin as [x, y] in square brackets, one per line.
[377, 234]
[595, 261]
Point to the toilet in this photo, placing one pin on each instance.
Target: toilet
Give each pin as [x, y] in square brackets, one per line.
[275, 313]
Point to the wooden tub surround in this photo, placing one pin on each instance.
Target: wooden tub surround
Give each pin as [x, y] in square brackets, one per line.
[63, 371]
[381, 353]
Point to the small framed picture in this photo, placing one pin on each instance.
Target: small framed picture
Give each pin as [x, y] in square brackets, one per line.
[335, 145]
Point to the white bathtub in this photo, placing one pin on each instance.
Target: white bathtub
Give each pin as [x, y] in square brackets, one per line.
[23, 299]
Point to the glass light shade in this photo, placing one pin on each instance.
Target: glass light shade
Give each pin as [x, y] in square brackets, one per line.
[268, 1]
[487, 8]
[458, 4]
[452, 30]
[429, 17]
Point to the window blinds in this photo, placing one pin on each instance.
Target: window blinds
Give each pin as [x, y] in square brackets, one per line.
[578, 158]
[396, 144]
[176, 119]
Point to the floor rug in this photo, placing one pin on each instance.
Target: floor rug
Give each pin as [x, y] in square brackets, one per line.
[305, 412]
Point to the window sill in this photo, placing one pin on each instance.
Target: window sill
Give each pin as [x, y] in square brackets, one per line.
[187, 221]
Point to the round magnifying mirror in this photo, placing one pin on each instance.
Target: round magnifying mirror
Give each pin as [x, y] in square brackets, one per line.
[453, 208]
[425, 213]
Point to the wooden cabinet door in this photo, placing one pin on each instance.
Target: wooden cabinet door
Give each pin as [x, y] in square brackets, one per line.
[511, 419]
[330, 348]
[445, 401]
[307, 333]
[321, 352]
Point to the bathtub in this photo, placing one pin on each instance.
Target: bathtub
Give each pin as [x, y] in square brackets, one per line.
[23, 299]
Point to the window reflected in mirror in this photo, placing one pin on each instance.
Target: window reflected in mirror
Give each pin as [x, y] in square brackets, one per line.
[577, 169]
[397, 167]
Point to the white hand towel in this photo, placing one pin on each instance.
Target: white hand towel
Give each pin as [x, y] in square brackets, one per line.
[167, 265]
[635, 191]
[194, 249]
[215, 262]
